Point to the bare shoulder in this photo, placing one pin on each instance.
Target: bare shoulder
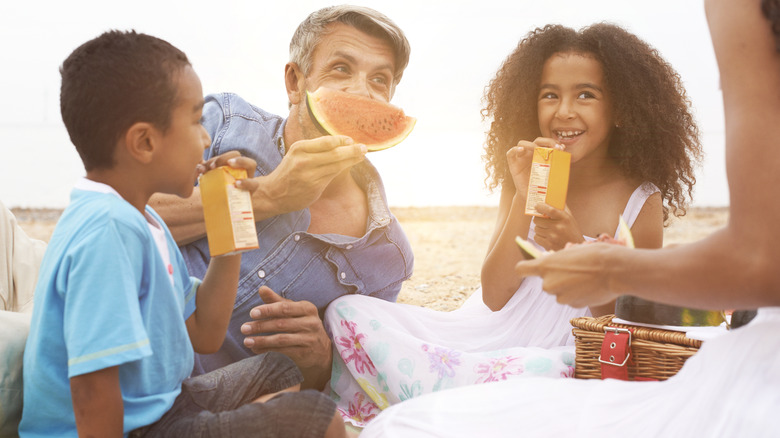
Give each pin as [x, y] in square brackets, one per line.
[648, 226]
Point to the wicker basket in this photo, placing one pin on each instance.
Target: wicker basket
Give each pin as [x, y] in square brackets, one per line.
[655, 354]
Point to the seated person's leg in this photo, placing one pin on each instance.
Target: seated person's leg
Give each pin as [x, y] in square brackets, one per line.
[225, 402]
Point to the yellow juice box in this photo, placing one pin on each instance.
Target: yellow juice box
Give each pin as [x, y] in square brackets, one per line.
[549, 180]
[230, 221]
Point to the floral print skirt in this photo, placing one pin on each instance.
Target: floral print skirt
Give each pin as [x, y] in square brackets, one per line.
[385, 353]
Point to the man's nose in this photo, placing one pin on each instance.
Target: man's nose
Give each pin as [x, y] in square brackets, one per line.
[359, 85]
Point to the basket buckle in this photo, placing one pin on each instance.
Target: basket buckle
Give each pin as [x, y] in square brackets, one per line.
[615, 353]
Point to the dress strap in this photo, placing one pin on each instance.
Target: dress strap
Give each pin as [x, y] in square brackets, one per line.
[636, 202]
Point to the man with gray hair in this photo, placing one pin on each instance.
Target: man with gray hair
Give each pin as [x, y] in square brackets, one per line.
[323, 223]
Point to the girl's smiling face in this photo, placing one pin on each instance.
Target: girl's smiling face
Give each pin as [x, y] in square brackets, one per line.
[573, 107]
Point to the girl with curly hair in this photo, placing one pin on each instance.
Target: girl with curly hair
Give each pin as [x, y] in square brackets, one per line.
[609, 99]
[554, 90]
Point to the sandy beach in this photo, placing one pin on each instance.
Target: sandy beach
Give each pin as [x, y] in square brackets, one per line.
[449, 244]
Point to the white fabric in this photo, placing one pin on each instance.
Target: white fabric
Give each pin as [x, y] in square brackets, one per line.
[730, 388]
[385, 353]
[20, 258]
[636, 202]
[162, 244]
[14, 328]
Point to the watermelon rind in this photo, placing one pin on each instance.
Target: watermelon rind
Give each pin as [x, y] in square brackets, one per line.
[325, 126]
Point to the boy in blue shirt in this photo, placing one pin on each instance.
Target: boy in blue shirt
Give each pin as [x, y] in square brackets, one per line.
[116, 315]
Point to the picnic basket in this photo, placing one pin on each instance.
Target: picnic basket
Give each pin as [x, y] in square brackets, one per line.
[655, 354]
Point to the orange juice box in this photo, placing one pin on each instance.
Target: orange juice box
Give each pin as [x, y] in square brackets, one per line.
[230, 221]
[549, 179]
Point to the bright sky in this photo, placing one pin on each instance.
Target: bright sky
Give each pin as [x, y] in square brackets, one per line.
[241, 46]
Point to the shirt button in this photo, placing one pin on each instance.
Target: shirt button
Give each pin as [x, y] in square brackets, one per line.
[261, 273]
[343, 275]
[349, 246]
[297, 237]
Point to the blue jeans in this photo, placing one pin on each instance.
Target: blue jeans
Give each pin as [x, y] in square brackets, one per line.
[219, 404]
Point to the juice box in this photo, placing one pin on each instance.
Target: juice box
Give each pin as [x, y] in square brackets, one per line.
[549, 180]
[230, 221]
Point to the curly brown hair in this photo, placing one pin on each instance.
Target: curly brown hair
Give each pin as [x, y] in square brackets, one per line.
[657, 141]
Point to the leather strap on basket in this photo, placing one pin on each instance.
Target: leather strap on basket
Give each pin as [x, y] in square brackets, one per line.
[615, 353]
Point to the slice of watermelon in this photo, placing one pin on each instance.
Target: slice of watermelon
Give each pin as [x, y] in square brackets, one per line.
[376, 124]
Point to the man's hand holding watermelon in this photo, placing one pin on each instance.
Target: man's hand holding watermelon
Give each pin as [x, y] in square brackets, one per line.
[307, 169]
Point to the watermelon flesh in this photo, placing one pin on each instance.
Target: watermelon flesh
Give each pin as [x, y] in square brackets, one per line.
[378, 125]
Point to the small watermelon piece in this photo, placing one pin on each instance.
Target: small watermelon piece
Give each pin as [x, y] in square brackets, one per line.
[378, 125]
[624, 233]
[528, 248]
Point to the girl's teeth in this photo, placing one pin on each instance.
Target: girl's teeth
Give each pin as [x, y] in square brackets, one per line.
[568, 134]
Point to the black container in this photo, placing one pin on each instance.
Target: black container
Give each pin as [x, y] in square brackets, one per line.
[631, 308]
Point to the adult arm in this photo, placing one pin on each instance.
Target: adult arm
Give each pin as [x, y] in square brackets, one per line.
[97, 403]
[299, 180]
[735, 267]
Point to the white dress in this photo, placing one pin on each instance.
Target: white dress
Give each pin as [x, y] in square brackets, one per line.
[385, 353]
[730, 388]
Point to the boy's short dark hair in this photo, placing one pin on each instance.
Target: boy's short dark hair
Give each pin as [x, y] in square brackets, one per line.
[113, 81]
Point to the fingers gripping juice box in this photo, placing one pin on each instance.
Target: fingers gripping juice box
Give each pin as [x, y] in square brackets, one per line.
[230, 221]
[549, 180]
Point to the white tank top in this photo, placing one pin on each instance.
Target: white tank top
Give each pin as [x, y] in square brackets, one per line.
[633, 207]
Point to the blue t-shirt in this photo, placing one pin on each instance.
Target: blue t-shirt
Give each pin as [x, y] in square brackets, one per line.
[294, 263]
[105, 298]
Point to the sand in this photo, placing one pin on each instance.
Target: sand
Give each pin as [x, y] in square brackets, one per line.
[449, 244]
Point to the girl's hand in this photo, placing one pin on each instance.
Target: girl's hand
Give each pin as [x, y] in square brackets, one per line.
[519, 160]
[236, 161]
[557, 229]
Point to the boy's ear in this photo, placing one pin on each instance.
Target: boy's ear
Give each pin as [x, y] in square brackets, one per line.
[294, 81]
[140, 141]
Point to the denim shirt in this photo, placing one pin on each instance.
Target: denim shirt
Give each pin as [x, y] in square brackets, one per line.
[294, 263]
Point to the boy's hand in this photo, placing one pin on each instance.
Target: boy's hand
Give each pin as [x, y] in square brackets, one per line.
[557, 229]
[292, 328]
[235, 160]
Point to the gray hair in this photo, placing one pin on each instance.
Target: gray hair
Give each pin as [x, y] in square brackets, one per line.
[314, 27]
